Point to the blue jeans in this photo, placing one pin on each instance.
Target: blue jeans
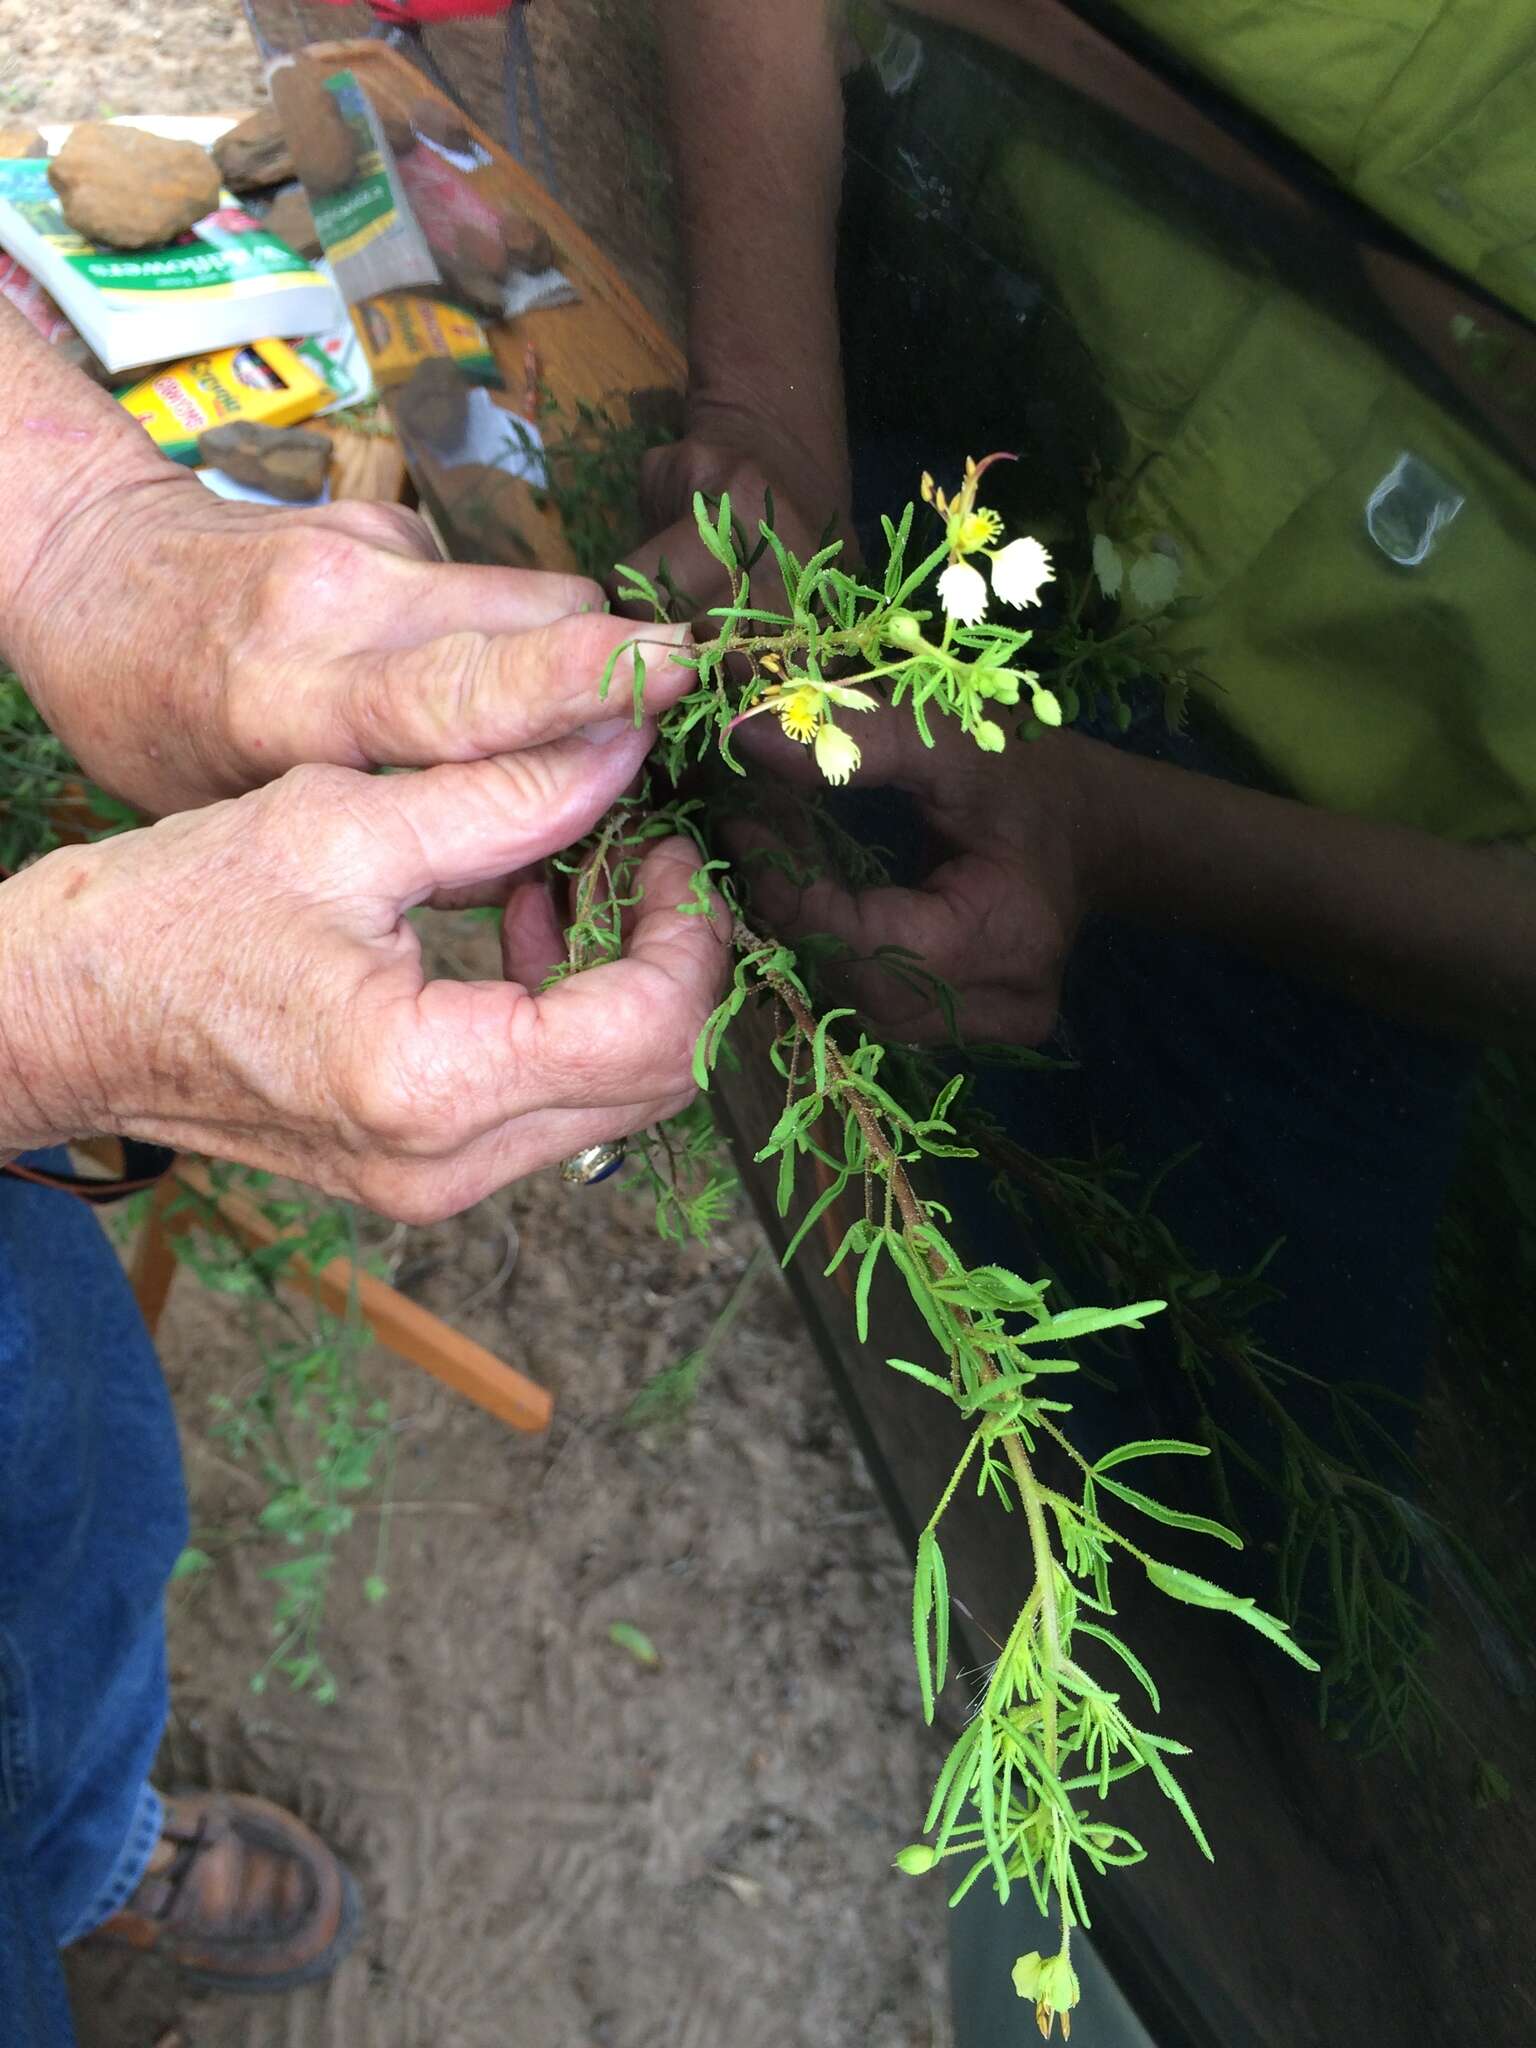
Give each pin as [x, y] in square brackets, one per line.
[92, 1517]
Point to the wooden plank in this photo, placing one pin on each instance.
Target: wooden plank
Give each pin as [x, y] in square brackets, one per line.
[400, 1325]
[152, 1271]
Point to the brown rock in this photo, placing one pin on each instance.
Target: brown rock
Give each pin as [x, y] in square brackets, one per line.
[486, 515]
[286, 461]
[323, 146]
[440, 123]
[290, 219]
[16, 140]
[255, 153]
[132, 190]
[434, 405]
[527, 247]
[484, 290]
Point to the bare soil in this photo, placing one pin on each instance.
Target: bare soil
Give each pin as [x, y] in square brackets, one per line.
[559, 1847]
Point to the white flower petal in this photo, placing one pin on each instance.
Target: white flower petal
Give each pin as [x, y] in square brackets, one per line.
[1108, 569]
[1154, 581]
[1019, 570]
[963, 593]
[836, 754]
[850, 699]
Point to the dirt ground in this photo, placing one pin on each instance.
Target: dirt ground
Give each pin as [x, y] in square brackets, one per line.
[559, 1848]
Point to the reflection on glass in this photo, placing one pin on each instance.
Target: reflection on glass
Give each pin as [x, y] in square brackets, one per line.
[1219, 930]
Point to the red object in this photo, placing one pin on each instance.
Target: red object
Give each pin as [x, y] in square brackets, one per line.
[423, 13]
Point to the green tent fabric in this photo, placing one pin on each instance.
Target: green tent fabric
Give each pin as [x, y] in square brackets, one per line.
[1424, 109]
[1298, 473]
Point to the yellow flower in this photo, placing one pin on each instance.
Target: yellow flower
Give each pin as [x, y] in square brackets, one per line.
[837, 755]
[800, 711]
[974, 529]
[804, 711]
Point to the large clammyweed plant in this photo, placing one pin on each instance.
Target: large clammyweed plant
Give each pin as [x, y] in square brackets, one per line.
[1025, 1796]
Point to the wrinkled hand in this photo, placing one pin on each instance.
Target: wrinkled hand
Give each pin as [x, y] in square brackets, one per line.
[186, 648]
[726, 449]
[241, 981]
[1015, 843]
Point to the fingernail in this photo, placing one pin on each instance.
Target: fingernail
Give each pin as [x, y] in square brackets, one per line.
[659, 643]
[602, 732]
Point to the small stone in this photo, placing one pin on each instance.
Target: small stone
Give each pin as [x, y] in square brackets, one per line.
[489, 516]
[484, 290]
[254, 154]
[286, 461]
[132, 190]
[527, 247]
[16, 141]
[323, 146]
[290, 219]
[434, 404]
[440, 123]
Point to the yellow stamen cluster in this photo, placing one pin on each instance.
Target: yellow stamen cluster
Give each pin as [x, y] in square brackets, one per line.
[969, 531]
[800, 712]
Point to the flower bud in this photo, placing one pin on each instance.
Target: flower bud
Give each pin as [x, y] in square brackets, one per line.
[916, 1859]
[989, 736]
[1001, 685]
[904, 630]
[1047, 708]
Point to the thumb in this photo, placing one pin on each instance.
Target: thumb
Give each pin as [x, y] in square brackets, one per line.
[465, 824]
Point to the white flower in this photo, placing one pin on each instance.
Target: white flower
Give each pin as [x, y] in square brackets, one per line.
[1154, 581]
[1019, 570]
[836, 754]
[963, 592]
[1108, 569]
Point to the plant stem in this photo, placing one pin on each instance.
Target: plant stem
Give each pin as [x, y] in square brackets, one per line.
[913, 1217]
